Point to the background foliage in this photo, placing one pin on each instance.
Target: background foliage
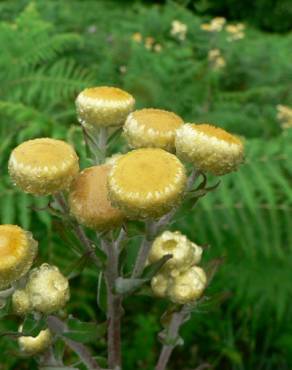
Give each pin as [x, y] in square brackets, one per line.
[52, 50]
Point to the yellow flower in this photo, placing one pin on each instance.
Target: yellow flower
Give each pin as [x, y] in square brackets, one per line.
[235, 31]
[20, 302]
[216, 25]
[47, 289]
[146, 183]
[209, 148]
[187, 286]
[88, 200]
[35, 345]
[152, 128]
[17, 253]
[216, 60]
[43, 166]
[159, 285]
[104, 106]
[157, 48]
[137, 37]
[179, 30]
[184, 252]
[284, 115]
[149, 42]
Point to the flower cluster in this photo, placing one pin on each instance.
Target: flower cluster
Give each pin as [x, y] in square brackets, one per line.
[216, 59]
[235, 31]
[216, 25]
[284, 115]
[149, 42]
[179, 279]
[178, 30]
[46, 291]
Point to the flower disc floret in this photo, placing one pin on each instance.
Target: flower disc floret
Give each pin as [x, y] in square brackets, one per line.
[17, 253]
[187, 286]
[209, 148]
[104, 106]
[152, 128]
[184, 252]
[47, 288]
[43, 166]
[34, 345]
[20, 302]
[88, 200]
[146, 183]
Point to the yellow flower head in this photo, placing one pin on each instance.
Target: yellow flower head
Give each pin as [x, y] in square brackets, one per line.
[89, 202]
[216, 25]
[104, 106]
[20, 302]
[187, 286]
[179, 30]
[17, 252]
[35, 345]
[152, 128]
[209, 148]
[47, 289]
[216, 60]
[137, 37]
[43, 166]
[284, 115]
[146, 183]
[184, 252]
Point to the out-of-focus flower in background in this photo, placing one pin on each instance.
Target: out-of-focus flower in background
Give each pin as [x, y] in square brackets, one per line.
[137, 37]
[284, 115]
[149, 42]
[215, 25]
[216, 59]
[235, 31]
[178, 30]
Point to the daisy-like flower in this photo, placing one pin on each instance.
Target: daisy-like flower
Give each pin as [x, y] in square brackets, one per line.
[88, 200]
[18, 250]
[216, 25]
[187, 286]
[152, 128]
[43, 166]
[104, 106]
[146, 183]
[35, 345]
[178, 30]
[47, 289]
[184, 252]
[209, 148]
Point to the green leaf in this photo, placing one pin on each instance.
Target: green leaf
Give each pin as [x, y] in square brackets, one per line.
[126, 286]
[152, 269]
[32, 326]
[101, 293]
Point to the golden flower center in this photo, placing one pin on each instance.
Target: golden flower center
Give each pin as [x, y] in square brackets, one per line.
[12, 240]
[216, 132]
[146, 170]
[157, 119]
[106, 93]
[43, 152]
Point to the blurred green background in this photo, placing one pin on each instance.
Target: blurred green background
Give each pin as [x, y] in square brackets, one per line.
[51, 50]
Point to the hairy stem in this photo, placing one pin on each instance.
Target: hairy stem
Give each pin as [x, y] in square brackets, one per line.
[114, 306]
[177, 320]
[102, 143]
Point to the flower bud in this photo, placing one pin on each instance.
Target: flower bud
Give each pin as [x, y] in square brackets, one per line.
[184, 252]
[159, 284]
[35, 345]
[20, 302]
[43, 166]
[187, 286]
[47, 288]
[104, 106]
[152, 128]
[88, 200]
[210, 149]
[17, 253]
[146, 183]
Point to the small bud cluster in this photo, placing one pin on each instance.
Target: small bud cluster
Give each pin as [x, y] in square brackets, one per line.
[35, 345]
[46, 291]
[179, 279]
[284, 115]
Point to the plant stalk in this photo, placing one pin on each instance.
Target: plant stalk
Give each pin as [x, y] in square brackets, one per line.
[177, 320]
